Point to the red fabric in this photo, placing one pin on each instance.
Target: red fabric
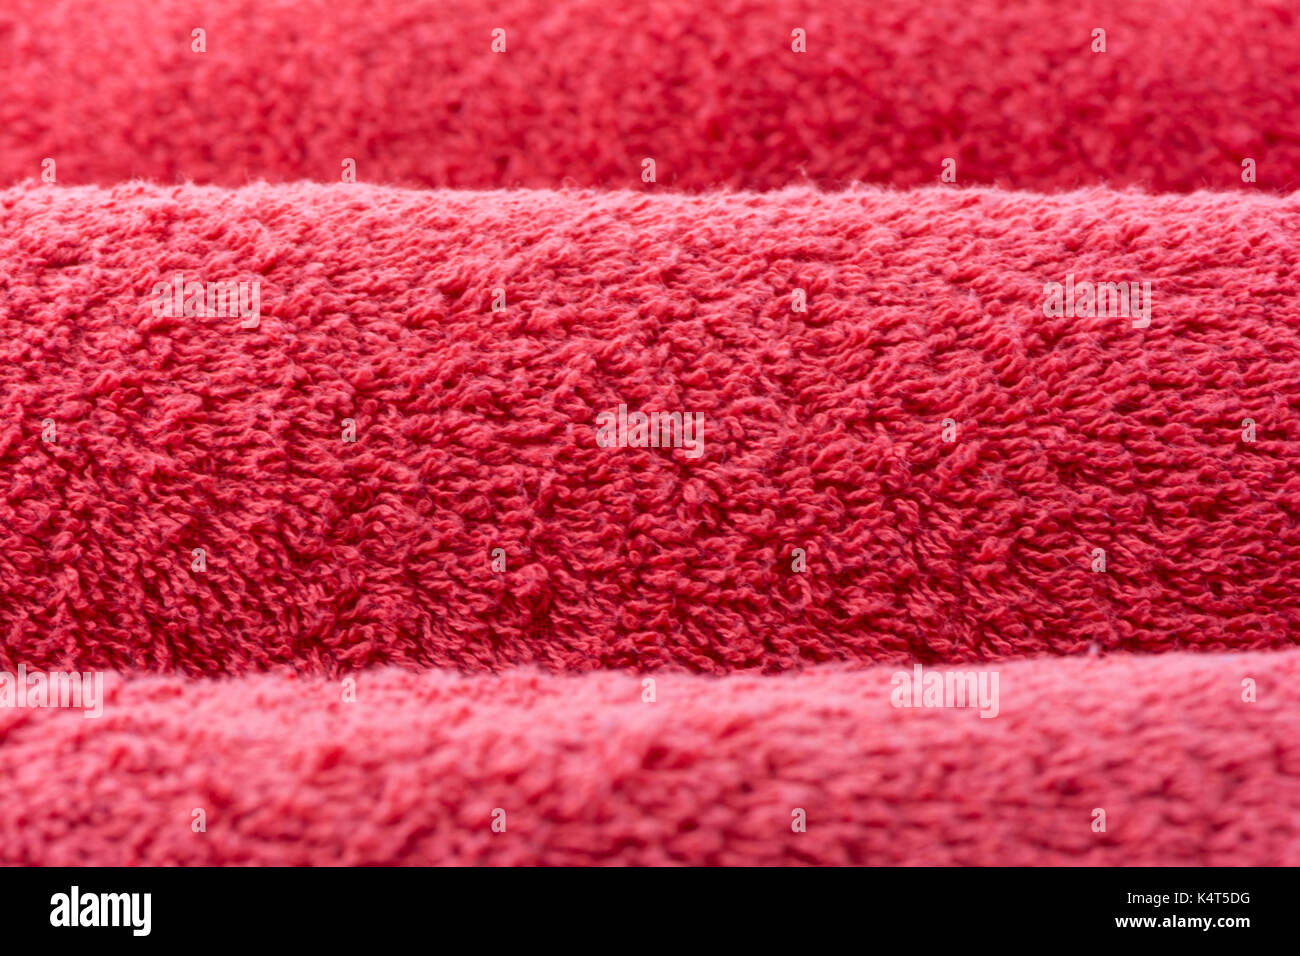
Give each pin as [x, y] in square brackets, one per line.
[711, 89]
[1156, 691]
[477, 429]
[712, 772]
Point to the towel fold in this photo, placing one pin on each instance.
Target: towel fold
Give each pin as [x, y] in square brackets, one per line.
[1128, 760]
[915, 464]
[1173, 95]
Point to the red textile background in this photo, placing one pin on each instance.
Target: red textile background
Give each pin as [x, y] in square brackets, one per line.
[330, 562]
[711, 89]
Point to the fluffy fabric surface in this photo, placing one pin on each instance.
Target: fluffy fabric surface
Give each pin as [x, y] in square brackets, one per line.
[333, 478]
[712, 90]
[475, 430]
[713, 772]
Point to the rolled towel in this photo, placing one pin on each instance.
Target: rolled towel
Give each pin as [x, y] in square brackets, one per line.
[1173, 95]
[1133, 760]
[401, 427]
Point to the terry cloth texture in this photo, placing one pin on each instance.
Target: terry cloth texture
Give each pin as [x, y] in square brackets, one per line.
[713, 772]
[711, 89]
[476, 429]
[306, 637]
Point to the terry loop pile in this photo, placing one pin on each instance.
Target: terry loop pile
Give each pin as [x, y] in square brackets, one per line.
[721, 432]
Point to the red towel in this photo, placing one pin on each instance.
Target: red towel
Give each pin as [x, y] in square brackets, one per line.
[713, 90]
[1150, 760]
[967, 533]
[823, 430]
